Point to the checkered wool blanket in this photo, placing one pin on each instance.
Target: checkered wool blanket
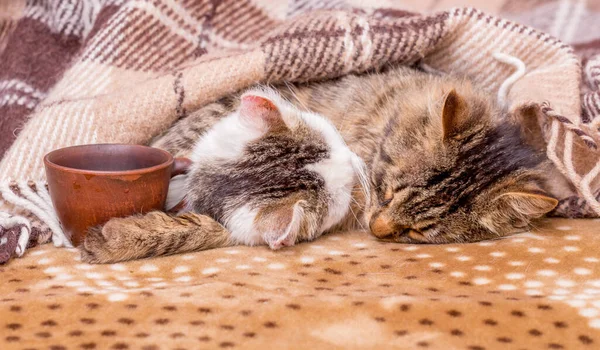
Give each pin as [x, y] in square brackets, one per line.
[92, 71]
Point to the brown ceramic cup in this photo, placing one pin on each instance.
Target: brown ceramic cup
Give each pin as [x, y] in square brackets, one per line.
[90, 184]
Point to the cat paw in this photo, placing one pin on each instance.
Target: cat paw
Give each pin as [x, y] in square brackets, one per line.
[93, 249]
[101, 244]
[119, 239]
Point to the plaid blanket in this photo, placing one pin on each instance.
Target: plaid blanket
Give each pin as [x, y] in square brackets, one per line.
[92, 71]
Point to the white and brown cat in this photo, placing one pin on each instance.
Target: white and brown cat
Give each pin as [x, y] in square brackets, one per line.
[264, 172]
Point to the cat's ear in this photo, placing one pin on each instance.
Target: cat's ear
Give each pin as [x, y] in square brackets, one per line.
[512, 212]
[528, 118]
[281, 226]
[260, 112]
[454, 115]
[530, 205]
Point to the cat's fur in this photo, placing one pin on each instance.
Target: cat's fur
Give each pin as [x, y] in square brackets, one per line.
[445, 162]
[267, 171]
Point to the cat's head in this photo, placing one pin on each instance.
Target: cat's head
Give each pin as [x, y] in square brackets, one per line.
[272, 173]
[450, 172]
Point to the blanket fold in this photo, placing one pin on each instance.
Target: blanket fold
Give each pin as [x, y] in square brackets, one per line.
[78, 72]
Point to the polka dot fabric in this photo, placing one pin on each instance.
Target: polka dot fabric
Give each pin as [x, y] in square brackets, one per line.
[539, 290]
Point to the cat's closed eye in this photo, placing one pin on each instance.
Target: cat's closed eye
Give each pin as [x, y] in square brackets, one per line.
[385, 202]
[385, 195]
[425, 227]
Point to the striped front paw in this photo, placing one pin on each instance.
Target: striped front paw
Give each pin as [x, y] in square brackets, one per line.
[110, 243]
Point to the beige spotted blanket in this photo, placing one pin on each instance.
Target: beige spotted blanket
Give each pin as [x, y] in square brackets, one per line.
[539, 290]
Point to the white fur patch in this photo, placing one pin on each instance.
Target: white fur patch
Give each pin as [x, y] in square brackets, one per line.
[241, 225]
[226, 140]
[338, 170]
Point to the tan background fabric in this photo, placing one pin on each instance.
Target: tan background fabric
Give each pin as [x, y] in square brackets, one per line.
[537, 290]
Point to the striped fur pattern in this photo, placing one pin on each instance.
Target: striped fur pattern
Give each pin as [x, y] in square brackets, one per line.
[89, 71]
[446, 163]
[153, 234]
[263, 172]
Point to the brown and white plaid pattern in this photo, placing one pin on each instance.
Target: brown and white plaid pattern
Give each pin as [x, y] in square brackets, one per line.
[92, 71]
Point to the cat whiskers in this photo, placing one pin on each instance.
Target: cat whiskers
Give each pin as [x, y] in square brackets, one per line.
[430, 233]
[360, 170]
[361, 205]
[357, 220]
[293, 92]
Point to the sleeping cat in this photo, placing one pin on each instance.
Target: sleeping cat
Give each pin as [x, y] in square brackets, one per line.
[445, 165]
[268, 172]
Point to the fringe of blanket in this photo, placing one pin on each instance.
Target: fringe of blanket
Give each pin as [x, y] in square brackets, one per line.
[565, 165]
[27, 218]
[588, 205]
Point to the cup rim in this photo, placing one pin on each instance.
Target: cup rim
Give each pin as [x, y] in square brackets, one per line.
[138, 171]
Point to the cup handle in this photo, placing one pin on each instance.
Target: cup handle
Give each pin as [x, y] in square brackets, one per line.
[181, 166]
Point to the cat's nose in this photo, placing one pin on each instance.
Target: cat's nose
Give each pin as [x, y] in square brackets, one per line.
[381, 226]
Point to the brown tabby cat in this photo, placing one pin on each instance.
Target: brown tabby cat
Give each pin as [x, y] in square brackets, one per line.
[445, 165]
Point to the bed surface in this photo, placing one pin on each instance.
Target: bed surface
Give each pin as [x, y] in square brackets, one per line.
[532, 291]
